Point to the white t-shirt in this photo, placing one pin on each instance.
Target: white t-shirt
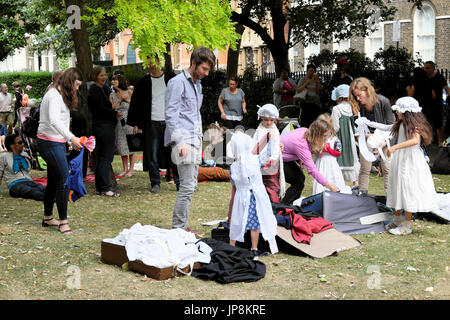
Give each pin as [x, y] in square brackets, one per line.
[158, 93]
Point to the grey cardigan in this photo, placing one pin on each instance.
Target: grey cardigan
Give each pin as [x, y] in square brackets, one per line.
[382, 111]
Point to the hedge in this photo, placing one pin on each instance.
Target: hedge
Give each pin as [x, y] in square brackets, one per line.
[38, 80]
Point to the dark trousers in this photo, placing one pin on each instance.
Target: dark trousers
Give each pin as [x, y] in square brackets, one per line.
[295, 177]
[310, 112]
[105, 139]
[231, 124]
[157, 139]
[28, 190]
[54, 154]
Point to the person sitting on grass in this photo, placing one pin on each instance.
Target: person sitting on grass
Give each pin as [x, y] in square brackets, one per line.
[15, 169]
[2, 136]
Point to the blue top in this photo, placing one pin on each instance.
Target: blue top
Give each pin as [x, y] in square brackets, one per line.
[75, 178]
[2, 130]
[183, 101]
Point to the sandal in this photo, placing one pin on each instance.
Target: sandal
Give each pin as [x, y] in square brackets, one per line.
[45, 224]
[111, 194]
[65, 231]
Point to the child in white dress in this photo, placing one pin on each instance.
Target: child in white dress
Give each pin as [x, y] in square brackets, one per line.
[326, 162]
[343, 123]
[252, 209]
[272, 170]
[410, 185]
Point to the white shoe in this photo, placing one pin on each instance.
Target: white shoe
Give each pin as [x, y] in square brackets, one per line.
[402, 230]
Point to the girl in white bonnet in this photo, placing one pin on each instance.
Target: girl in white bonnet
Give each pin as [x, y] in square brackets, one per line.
[272, 170]
[411, 185]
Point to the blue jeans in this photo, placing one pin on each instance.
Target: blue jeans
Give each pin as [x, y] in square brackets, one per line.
[28, 190]
[54, 154]
[105, 139]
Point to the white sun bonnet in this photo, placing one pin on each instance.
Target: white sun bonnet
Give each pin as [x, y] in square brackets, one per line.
[406, 104]
[268, 110]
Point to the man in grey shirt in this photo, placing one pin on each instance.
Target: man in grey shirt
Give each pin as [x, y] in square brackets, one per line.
[183, 100]
[6, 107]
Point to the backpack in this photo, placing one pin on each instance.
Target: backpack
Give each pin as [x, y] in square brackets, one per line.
[31, 123]
[25, 99]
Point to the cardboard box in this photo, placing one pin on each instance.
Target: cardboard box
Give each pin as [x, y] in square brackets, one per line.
[158, 273]
[113, 254]
[116, 255]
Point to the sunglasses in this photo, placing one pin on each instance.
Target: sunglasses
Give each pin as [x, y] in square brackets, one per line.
[19, 142]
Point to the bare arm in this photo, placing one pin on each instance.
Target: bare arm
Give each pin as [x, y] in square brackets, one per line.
[405, 144]
[220, 104]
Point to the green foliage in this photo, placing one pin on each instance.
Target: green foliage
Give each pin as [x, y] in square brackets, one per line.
[53, 31]
[156, 23]
[12, 29]
[37, 80]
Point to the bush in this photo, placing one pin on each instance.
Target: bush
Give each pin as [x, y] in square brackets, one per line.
[38, 80]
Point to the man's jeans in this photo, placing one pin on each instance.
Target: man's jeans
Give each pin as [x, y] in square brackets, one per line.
[157, 133]
[54, 154]
[28, 190]
[188, 173]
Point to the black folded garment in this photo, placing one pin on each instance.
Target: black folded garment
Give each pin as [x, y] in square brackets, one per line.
[230, 264]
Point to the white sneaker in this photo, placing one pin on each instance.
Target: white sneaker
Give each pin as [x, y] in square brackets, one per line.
[402, 230]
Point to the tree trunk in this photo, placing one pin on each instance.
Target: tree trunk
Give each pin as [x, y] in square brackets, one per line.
[278, 45]
[84, 58]
[233, 55]
[168, 66]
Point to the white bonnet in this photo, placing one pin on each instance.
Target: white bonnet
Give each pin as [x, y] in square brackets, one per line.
[268, 110]
[341, 91]
[406, 104]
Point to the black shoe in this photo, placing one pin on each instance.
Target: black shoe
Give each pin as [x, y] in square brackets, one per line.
[258, 253]
[155, 189]
[363, 193]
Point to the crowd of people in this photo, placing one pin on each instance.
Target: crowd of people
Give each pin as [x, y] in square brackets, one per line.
[164, 109]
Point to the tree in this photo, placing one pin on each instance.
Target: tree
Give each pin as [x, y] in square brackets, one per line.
[13, 28]
[298, 21]
[156, 23]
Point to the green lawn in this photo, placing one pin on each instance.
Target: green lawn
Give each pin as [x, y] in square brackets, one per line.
[35, 261]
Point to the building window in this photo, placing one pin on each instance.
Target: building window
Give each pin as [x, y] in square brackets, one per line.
[424, 32]
[374, 42]
[311, 49]
[249, 57]
[341, 45]
[131, 53]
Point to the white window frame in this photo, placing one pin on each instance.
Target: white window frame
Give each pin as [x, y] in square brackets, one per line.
[419, 32]
[368, 45]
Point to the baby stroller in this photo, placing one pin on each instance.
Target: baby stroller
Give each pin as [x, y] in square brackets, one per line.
[30, 144]
[289, 114]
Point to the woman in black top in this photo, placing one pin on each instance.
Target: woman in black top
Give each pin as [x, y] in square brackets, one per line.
[104, 120]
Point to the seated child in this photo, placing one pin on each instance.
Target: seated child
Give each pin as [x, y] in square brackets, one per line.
[252, 209]
[327, 164]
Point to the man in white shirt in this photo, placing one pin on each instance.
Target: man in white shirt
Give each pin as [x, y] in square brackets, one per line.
[147, 112]
[6, 107]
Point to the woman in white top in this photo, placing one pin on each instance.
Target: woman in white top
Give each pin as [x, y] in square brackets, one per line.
[53, 134]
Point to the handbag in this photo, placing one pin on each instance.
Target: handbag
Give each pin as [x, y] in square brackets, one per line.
[135, 142]
[301, 95]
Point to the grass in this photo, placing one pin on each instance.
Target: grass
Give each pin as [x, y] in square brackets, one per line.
[35, 261]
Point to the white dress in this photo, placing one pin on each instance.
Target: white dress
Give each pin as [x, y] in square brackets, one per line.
[329, 168]
[410, 183]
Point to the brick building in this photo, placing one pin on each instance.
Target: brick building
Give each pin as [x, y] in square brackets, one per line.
[425, 32]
